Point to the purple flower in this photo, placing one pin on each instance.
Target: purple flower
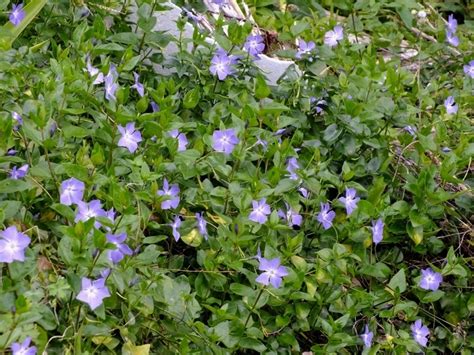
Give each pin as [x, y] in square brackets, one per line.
[263, 143]
[11, 152]
[451, 106]
[72, 191]
[86, 211]
[12, 245]
[452, 24]
[272, 272]
[105, 273]
[182, 140]
[326, 216]
[420, 332]
[172, 194]
[110, 85]
[254, 45]
[19, 121]
[350, 201]
[154, 106]
[411, 130]
[17, 15]
[303, 191]
[130, 137]
[331, 38]
[377, 231]
[138, 86]
[174, 226]
[452, 38]
[318, 104]
[224, 140]
[219, 2]
[221, 64]
[367, 337]
[93, 292]
[304, 48]
[451, 31]
[110, 214]
[291, 217]
[291, 166]
[445, 149]
[201, 223]
[260, 211]
[121, 249]
[469, 69]
[430, 279]
[19, 173]
[94, 72]
[23, 348]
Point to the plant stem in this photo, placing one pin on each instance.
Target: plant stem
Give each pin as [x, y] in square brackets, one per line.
[253, 307]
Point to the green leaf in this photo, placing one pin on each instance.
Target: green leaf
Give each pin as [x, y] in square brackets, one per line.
[432, 296]
[11, 185]
[241, 290]
[398, 282]
[192, 97]
[261, 88]
[10, 32]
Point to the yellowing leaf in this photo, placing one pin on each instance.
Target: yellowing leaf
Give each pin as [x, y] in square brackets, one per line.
[218, 219]
[193, 238]
[130, 349]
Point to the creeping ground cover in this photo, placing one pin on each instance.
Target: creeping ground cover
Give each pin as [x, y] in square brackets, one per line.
[160, 194]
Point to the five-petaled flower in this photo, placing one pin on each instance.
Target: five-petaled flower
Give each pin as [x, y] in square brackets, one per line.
[411, 130]
[367, 337]
[291, 166]
[334, 36]
[469, 69]
[451, 106]
[222, 64]
[260, 211]
[202, 225]
[451, 31]
[12, 245]
[326, 216]
[181, 137]
[430, 280]
[71, 192]
[171, 193]
[350, 201]
[94, 72]
[420, 332]
[273, 272]
[377, 231]
[224, 140]
[175, 227]
[93, 292]
[254, 45]
[130, 137]
[23, 348]
[19, 173]
[304, 48]
[18, 119]
[110, 85]
[121, 249]
[17, 15]
[291, 217]
[86, 211]
[138, 86]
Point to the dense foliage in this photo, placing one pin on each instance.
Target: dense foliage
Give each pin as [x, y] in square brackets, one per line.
[204, 211]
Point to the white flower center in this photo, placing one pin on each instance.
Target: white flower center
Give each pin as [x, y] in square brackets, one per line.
[91, 292]
[90, 213]
[12, 247]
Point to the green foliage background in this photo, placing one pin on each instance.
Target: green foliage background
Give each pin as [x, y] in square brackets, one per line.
[198, 296]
